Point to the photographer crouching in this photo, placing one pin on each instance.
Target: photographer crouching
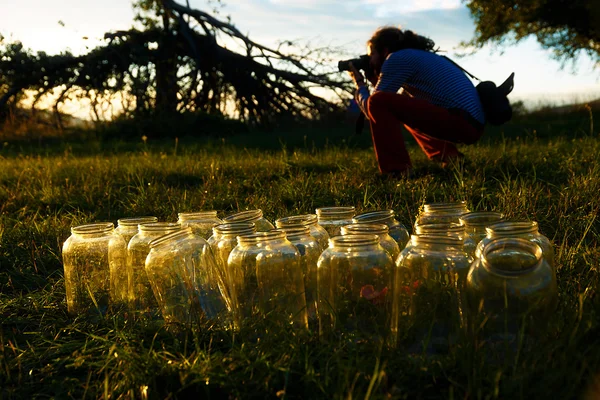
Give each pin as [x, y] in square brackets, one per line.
[416, 87]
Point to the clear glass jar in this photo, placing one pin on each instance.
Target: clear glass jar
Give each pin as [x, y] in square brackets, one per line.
[511, 291]
[223, 240]
[452, 229]
[354, 276]
[310, 220]
[430, 278]
[267, 279]
[256, 216]
[94, 261]
[476, 222]
[201, 222]
[397, 231]
[309, 250]
[441, 213]
[333, 218]
[525, 230]
[128, 227]
[181, 271]
[143, 303]
[381, 230]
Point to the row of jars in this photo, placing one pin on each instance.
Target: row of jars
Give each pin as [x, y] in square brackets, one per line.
[360, 283]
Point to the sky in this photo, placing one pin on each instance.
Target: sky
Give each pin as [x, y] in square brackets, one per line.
[539, 79]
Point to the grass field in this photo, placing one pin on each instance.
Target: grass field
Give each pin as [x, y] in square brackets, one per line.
[542, 167]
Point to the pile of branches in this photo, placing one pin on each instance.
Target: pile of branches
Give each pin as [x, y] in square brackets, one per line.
[194, 62]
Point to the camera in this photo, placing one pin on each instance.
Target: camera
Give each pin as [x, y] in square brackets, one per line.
[360, 63]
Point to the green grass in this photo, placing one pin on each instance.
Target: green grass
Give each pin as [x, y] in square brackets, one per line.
[545, 169]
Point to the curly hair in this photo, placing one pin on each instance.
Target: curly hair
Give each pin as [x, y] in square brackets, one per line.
[394, 39]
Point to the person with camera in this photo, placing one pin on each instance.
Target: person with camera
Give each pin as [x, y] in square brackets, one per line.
[417, 88]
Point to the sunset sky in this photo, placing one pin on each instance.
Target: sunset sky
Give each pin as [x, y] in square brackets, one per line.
[347, 23]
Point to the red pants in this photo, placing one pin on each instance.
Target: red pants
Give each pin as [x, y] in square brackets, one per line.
[435, 129]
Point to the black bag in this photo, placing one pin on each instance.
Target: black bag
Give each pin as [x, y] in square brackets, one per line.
[496, 106]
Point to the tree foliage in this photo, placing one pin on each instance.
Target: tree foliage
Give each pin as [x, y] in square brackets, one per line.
[175, 60]
[567, 27]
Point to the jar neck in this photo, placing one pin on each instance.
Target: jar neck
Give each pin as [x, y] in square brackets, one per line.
[362, 228]
[94, 230]
[244, 216]
[481, 219]
[261, 238]
[458, 207]
[306, 219]
[511, 257]
[183, 217]
[357, 242]
[132, 223]
[335, 213]
[297, 232]
[159, 228]
[508, 229]
[171, 237]
[440, 229]
[381, 216]
[234, 230]
[448, 241]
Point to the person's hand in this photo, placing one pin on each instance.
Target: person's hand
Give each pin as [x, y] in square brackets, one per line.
[356, 75]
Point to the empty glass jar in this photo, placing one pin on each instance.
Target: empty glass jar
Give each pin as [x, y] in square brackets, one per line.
[354, 284]
[525, 230]
[256, 216]
[429, 282]
[143, 302]
[441, 213]
[388, 217]
[181, 271]
[128, 227]
[223, 240]
[310, 220]
[94, 260]
[201, 222]
[309, 250]
[476, 222]
[452, 229]
[267, 279]
[381, 230]
[511, 291]
[333, 218]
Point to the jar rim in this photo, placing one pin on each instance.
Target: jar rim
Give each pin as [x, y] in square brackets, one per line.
[135, 221]
[444, 239]
[243, 216]
[94, 228]
[481, 218]
[261, 236]
[503, 244]
[295, 231]
[335, 210]
[511, 227]
[304, 219]
[160, 226]
[373, 216]
[448, 228]
[234, 228]
[444, 207]
[353, 240]
[169, 236]
[360, 228]
[197, 214]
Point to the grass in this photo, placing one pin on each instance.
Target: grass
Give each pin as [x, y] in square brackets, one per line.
[542, 167]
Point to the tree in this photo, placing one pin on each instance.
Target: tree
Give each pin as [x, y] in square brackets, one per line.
[568, 27]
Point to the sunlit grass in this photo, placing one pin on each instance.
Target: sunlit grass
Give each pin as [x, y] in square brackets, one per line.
[44, 190]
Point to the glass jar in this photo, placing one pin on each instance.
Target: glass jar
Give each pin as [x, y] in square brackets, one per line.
[181, 271]
[525, 229]
[309, 250]
[429, 278]
[476, 222]
[354, 276]
[94, 261]
[223, 240]
[441, 213]
[201, 222]
[452, 229]
[256, 216]
[388, 217]
[128, 227]
[333, 218]
[310, 220]
[381, 230]
[143, 303]
[267, 279]
[511, 292]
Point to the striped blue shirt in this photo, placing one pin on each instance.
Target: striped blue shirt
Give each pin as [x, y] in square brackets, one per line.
[428, 76]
